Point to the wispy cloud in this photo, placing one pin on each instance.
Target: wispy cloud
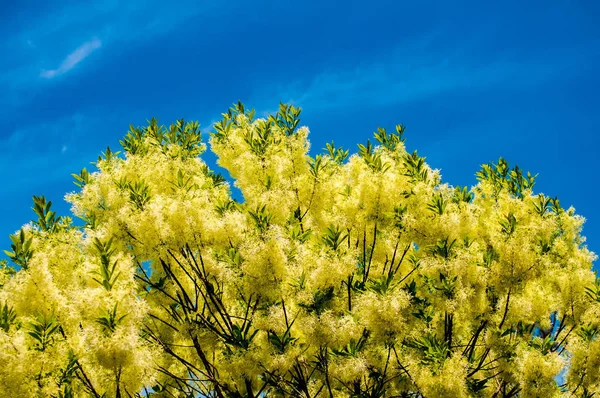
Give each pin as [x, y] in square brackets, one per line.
[422, 69]
[73, 59]
[37, 47]
[384, 83]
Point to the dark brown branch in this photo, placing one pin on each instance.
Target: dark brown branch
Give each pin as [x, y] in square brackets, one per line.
[368, 266]
[505, 309]
[391, 274]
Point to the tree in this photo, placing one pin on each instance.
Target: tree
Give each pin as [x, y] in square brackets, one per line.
[338, 275]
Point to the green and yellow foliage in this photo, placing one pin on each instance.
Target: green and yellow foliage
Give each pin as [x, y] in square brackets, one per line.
[336, 276]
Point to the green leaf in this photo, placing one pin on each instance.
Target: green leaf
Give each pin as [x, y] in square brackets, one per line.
[334, 237]
[7, 317]
[261, 217]
[47, 220]
[354, 347]
[81, 179]
[21, 249]
[437, 204]
[139, 193]
[415, 167]
[321, 299]
[42, 330]
[390, 141]
[107, 276]
[509, 224]
[109, 320]
[432, 350]
[338, 155]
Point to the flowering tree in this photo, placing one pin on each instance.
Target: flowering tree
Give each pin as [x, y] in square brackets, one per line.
[336, 276]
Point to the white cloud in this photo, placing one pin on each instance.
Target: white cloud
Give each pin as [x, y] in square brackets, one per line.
[418, 69]
[73, 59]
[401, 80]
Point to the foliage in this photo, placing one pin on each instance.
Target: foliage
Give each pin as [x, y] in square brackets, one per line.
[338, 275]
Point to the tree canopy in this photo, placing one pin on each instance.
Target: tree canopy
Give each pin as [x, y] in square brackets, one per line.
[336, 275]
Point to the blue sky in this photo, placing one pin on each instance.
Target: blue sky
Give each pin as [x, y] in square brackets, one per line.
[472, 81]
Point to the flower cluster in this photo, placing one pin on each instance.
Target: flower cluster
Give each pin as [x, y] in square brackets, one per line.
[336, 276]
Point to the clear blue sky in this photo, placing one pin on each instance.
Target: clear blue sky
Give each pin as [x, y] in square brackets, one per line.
[472, 81]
